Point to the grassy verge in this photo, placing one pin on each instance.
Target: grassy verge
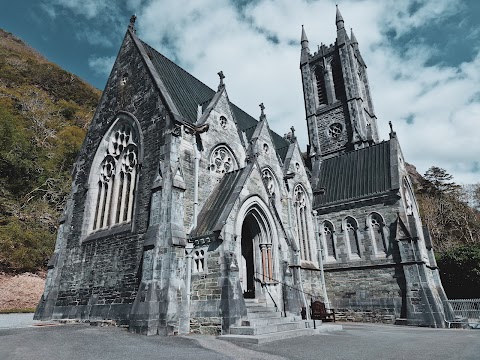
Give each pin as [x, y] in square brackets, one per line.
[17, 310]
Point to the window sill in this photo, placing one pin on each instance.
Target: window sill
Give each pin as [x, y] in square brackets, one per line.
[104, 233]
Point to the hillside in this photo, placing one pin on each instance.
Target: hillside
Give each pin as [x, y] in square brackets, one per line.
[44, 114]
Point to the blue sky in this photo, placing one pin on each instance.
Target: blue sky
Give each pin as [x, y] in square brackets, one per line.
[423, 58]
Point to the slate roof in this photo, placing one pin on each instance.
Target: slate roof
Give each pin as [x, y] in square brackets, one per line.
[354, 175]
[220, 202]
[187, 92]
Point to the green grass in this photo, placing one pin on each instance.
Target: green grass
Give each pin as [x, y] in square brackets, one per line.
[17, 310]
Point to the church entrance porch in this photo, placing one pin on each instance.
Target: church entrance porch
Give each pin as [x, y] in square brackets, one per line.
[257, 261]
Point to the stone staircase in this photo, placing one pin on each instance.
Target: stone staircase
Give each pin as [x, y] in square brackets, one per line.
[264, 323]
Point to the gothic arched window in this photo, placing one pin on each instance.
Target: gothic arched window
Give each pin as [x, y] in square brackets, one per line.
[338, 79]
[301, 212]
[321, 89]
[351, 237]
[222, 160]
[269, 180]
[328, 234]
[113, 176]
[376, 226]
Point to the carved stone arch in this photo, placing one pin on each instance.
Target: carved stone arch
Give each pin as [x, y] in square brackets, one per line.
[222, 159]
[351, 235]
[378, 233]
[257, 249]
[113, 176]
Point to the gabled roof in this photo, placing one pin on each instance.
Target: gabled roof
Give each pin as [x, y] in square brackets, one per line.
[354, 175]
[187, 92]
[220, 202]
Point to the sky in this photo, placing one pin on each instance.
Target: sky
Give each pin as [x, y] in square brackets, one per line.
[423, 58]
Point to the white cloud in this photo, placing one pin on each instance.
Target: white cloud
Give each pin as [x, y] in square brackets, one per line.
[94, 37]
[101, 65]
[213, 35]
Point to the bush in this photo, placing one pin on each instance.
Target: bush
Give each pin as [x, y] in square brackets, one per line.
[24, 246]
[460, 271]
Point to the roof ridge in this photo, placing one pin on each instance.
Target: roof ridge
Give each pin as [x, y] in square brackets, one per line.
[178, 66]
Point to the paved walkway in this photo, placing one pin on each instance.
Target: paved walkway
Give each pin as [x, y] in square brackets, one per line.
[21, 340]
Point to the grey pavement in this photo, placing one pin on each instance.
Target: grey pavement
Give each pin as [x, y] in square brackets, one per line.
[357, 341]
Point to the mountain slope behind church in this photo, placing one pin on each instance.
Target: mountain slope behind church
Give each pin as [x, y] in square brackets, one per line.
[44, 113]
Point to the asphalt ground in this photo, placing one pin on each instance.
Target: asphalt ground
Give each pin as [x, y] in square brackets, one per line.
[23, 339]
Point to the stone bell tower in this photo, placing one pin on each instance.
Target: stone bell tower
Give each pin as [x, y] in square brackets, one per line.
[338, 105]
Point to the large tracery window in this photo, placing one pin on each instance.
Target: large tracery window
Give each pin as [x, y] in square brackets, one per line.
[222, 160]
[351, 237]
[116, 176]
[301, 212]
[328, 233]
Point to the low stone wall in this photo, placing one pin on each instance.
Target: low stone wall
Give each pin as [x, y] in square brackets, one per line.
[206, 325]
[385, 316]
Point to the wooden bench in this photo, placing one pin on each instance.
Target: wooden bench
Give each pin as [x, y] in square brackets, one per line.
[320, 312]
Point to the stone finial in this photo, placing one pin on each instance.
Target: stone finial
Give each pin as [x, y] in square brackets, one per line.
[132, 22]
[262, 111]
[293, 133]
[221, 76]
[393, 134]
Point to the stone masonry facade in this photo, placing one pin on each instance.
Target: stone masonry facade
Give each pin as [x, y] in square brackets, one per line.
[182, 205]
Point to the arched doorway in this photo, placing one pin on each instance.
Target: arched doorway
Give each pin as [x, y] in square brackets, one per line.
[256, 250]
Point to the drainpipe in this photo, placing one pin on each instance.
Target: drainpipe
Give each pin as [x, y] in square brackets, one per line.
[296, 257]
[320, 260]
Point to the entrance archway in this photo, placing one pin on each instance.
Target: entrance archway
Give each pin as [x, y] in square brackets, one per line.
[250, 234]
[255, 226]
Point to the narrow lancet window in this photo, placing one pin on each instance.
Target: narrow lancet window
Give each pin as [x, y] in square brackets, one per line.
[302, 225]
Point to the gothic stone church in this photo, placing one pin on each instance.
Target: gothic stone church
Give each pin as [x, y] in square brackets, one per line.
[184, 207]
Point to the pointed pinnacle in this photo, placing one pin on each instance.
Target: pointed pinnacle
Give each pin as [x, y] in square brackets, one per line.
[353, 38]
[304, 36]
[339, 19]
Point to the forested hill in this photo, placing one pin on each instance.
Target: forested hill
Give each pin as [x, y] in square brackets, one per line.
[44, 114]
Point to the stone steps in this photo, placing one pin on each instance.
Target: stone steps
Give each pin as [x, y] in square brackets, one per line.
[269, 337]
[269, 320]
[271, 328]
[265, 323]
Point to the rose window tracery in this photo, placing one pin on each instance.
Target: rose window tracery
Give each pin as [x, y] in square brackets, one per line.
[222, 160]
[335, 130]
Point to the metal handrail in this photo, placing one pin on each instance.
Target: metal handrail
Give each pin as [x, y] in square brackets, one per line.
[312, 296]
[264, 285]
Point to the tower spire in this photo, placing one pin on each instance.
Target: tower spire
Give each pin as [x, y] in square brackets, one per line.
[339, 19]
[305, 49]
[304, 39]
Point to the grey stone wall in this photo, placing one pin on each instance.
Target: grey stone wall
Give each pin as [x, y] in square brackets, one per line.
[369, 287]
[101, 274]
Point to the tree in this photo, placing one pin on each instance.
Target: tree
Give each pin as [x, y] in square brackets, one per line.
[436, 181]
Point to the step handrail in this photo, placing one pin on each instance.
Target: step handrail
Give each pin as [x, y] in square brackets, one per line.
[312, 296]
[264, 285]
